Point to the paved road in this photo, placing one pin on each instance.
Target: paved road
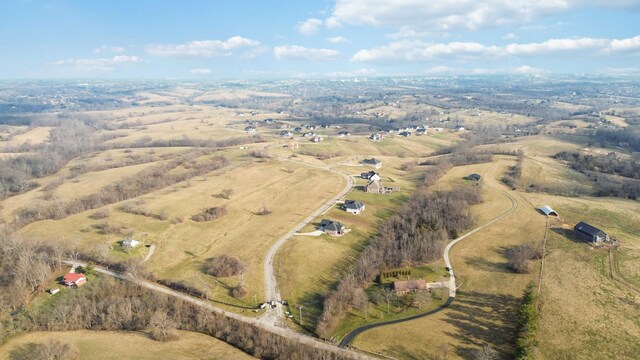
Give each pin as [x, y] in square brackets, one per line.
[275, 316]
[301, 338]
[452, 280]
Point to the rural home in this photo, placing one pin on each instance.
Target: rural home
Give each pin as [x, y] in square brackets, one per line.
[376, 137]
[589, 233]
[344, 133]
[316, 139]
[403, 287]
[285, 133]
[331, 227]
[250, 129]
[459, 128]
[130, 243]
[373, 162]
[371, 175]
[404, 133]
[73, 279]
[353, 206]
[376, 187]
[421, 131]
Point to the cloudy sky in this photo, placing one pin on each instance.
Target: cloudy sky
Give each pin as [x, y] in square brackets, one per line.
[323, 38]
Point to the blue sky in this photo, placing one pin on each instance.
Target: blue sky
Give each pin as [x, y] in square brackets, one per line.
[330, 38]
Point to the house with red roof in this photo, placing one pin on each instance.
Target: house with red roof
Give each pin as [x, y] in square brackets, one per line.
[72, 279]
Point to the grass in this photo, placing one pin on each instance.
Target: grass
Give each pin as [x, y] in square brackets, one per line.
[111, 345]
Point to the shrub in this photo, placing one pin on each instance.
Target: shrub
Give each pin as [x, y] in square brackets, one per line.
[520, 258]
[224, 265]
[264, 210]
[239, 291]
[100, 214]
[210, 214]
[408, 166]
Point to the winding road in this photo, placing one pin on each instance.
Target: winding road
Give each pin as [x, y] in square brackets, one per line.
[275, 315]
[452, 280]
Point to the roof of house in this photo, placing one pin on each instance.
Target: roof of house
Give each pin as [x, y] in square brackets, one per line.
[331, 225]
[353, 204]
[547, 210]
[73, 277]
[588, 229]
[474, 176]
[408, 285]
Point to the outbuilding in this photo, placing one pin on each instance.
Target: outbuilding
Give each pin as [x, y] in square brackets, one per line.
[474, 177]
[590, 233]
[547, 210]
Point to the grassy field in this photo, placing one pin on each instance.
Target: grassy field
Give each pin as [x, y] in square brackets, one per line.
[111, 345]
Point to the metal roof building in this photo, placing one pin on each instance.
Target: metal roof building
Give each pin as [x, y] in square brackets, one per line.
[547, 210]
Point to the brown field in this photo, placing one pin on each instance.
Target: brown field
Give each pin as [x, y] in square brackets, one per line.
[111, 345]
[32, 136]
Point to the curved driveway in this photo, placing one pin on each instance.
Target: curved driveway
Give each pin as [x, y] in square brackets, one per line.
[452, 280]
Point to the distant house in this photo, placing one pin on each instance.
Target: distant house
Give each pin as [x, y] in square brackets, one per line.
[250, 129]
[404, 133]
[474, 177]
[459, 128]
[344, 133]
[268, 121]
[316, 139]
[403, 287]
[73, 279]
[376, 187]
[438, 129]
[130, 243]
[353, 206]
[297, 129]
[331, 227]
[285, 133]
[309, 134]
[376, 137]
[373, 162]
[548, 211]
[371, 175]
[590, 233]
[421, 131]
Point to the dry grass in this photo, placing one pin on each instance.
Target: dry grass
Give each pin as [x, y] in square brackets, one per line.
[111, 345]
[33, 136]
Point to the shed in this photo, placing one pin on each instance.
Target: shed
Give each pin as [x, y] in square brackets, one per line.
[474, 177]
[373, 162]
[547, 210]
[590, 233]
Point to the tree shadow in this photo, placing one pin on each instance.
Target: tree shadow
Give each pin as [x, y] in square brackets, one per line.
[481, 318]
[486, 265]
[567, 233]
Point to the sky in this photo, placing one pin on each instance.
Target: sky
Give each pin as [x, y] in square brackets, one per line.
[158, 39]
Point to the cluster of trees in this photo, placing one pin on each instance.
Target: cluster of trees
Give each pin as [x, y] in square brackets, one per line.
[628, 137]
[224, 265]
[520, 257]
[143, 211]
[144, 182]
[527, 324]
[416, 234]
[185, 141]
[50, 350]
[512, 177]
[210, 214]
[108, 304]
[608, 164]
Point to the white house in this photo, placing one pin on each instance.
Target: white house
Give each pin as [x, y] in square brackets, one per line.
[130, 243]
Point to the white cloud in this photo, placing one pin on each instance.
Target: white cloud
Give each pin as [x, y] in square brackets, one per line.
[301, 52]
[362, 72]
[202, 48]
[99, 65]
[309, 26]
[105, 49]
[338, 40]
[441, 70]
[528, 70]
[332, 23]
[622, 71]
[451, 14]
[510, 36]
[417, 50]
[200, 71]
[520, 70]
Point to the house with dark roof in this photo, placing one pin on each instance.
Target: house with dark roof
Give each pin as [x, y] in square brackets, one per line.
[285, 133]
[403, 287]
[250, 129]
[372, 162]
[331, 227]
[353, 206]
[474, 177]
[589, 233]
[371, 175]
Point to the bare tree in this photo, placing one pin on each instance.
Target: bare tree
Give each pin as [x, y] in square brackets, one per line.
[486, 352]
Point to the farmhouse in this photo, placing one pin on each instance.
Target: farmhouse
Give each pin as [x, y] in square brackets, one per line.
[421, 131]
[353, 206]
[331, 227]
[285, 133]
[268, 121]
[316, 139]
[376, 137]
[297, 129]
[404, 133]
[344, 133]
[376, 187]
[547, 210]
[250, 129]
[371, 175]
[130, 243]
[373, 162]
[590, 233]
[403, 287]
[459, 128]
[73, 279]
[474, 177]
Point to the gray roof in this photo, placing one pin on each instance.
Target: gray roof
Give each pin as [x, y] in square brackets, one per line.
[547, 210]
[372, 161]
[331, 225]
[474, 176]
[353, 204]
